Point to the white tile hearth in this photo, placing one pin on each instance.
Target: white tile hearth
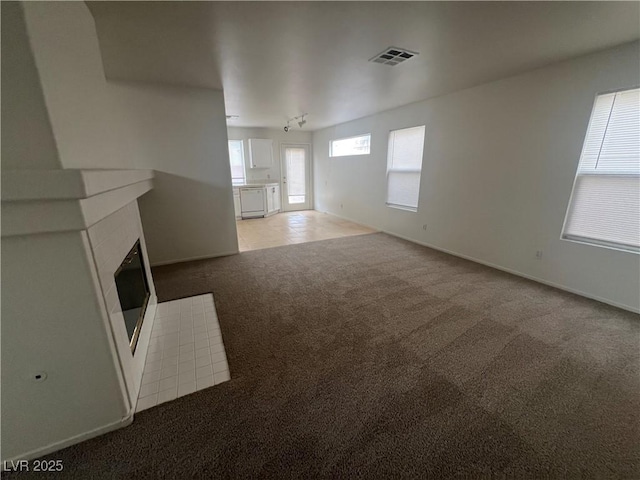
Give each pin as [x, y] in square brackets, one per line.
[185, 353]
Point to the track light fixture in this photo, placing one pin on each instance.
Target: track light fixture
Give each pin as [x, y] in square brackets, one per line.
[300, 120]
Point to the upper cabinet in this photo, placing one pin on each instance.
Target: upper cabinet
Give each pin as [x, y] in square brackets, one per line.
[260, 153]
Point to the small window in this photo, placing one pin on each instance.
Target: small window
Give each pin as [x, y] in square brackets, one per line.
[404, 166]
[360, 145]
[236, 158]
[605, 203]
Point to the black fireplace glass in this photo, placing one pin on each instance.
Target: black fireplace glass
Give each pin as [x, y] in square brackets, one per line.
[133, 292]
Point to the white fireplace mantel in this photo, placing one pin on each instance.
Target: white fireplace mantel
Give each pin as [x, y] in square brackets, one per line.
[44, 201]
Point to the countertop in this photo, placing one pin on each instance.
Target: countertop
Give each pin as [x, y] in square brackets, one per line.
[257, 184]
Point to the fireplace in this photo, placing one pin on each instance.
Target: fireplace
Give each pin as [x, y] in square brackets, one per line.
[133, 292]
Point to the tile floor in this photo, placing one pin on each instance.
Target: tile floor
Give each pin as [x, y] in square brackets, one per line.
[186, 352]
[294, 227]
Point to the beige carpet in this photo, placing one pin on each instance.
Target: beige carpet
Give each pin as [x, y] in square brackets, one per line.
[372, 357]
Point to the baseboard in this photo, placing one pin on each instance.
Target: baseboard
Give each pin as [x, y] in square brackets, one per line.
[354, 221]
[54, 447]
[192, 259]
[517, 273]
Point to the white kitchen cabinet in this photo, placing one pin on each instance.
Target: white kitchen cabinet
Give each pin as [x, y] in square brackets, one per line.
[269, 200]
[276, 197]
[260, 153]
[273, 198]
[236, 203]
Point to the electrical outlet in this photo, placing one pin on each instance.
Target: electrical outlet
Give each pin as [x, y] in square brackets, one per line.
[424, 227]
[538, 254]
[340, 205]
[39, 376]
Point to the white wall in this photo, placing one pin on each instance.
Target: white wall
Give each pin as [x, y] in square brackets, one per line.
[66, 51]
[23, 109]
[279, 138]
[499, 164]
[54, 318]
[181, 133]
[52, 322]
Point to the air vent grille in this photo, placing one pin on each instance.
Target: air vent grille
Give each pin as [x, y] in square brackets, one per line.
[392, 56]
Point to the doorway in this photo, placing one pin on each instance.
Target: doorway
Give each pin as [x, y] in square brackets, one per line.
[296, 177]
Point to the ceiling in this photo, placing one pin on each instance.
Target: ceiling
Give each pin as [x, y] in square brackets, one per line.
[276, 60]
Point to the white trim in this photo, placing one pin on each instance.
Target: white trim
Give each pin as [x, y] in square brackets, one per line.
[31, 185]
[519, 274]
[377, 229]
[601, 244]
[244, 164]
[25, 217]
[310, 198]
[192, 259]
[498, 267]
[104, 314]
[139, 360]
[402, 207]
[53, 447]
[588, 166]
[391, 142]
[331, 155]
[349, 137]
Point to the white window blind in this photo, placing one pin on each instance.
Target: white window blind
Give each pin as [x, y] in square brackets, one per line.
[605, 202]
[360, 145]
[236, 158]
[404, 166]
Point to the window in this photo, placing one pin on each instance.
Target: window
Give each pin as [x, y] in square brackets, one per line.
[605, 203]
[360, 145]
[404, 165]
[236, 158]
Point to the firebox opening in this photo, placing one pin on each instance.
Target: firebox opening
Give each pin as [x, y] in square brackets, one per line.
[133, 292]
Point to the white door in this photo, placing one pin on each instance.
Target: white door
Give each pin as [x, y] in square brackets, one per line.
[296, 178]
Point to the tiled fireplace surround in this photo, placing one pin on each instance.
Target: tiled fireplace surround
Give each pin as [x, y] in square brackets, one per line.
[182, 335]
[111, 239]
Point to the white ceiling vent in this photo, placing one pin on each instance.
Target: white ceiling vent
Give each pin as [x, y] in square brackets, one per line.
[392, 56]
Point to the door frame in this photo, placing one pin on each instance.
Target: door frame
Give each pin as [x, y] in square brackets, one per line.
[309, 204]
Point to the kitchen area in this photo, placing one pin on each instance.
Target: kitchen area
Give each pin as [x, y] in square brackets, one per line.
[254, 198]
[272, 191]
[271, 176]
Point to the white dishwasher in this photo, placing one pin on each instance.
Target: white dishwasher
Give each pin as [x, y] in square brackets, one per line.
[252, 202]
